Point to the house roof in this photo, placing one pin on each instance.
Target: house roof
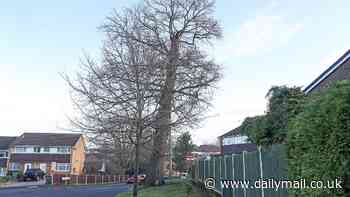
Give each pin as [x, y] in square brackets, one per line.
[47, 139]
[234, 131]
[5, 142]
[330, 70]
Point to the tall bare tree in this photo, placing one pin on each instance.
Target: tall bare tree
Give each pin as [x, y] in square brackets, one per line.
[175, 30]
[116, 98]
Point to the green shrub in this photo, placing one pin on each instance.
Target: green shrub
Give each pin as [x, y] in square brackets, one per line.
[319, 141]
[4, 179]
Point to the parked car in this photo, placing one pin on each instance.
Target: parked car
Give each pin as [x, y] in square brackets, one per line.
[34, 174]
[183, 175]
[140, 179]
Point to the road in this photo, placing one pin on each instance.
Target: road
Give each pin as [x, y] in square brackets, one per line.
[68, 191]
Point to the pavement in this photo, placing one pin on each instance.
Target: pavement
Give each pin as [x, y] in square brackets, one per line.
[23, 184]
[65, 191]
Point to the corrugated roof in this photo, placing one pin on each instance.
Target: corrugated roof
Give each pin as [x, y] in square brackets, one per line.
[47, 139]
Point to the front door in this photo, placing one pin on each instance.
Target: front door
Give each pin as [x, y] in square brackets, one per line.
[43, 167]
[27, 166]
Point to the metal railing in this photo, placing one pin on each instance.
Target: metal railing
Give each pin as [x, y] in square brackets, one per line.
[245, 174]
[59, 179]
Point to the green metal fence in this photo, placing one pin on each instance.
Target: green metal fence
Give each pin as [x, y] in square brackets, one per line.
[249, 174]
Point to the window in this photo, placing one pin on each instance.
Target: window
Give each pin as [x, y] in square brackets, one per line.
[235, 140]
[15, 166]
[37, 149]
[63, 167]
[4, 154]
[46, 149]
[63, 149]
[21, 149]
[2, 172]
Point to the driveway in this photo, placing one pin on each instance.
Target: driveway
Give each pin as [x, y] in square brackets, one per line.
[68, 191]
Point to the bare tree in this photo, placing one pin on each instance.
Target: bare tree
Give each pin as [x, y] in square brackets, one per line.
[116, 98]
[174, 30]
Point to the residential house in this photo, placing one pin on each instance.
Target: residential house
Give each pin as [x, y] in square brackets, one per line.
[338, 71]
[4, 153]
[54, 153]
[205, 150]
[234, 142]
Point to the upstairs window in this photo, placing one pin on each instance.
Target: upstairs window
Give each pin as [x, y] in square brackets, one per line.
[20, 149]
[37, 149]
[4, 154]
[46, 149]
[235, 140]
[63, 149]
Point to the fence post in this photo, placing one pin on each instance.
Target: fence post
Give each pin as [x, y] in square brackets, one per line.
[208, 167]
[220, 173]
[243, 159]
[205, 171]
[102, 179]
[77, 179]
[233, 172]
[225, 167]
[86, 179]
[197, 174]
[214, 169]
[52, 179]
[114, 179]
[95, 179]
[118, 178]
[261, 171]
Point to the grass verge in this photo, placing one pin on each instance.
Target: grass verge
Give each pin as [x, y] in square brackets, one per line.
[174, 189]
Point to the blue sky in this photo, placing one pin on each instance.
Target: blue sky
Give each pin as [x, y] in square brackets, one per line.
[265, 43]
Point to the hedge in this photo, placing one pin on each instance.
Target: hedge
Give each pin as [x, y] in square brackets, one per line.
[319, 141]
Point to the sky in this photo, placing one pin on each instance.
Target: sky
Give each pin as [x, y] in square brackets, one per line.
[265, 43]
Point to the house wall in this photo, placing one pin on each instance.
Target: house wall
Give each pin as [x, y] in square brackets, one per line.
[342, 73]
[78, 157]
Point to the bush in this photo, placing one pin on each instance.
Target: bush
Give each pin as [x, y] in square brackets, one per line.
[319, 141]
[4, 179]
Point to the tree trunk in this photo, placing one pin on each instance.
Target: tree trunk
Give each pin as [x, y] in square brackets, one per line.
[137, 158]
[164, 117]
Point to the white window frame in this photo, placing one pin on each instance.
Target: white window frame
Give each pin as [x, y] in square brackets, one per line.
[238, 139]
[66, 167]
[37, 149]
[46, 149]
[20, 147]
[5, 152]
[63, 149]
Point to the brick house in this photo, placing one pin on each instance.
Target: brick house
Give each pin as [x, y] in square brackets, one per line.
[338, 71]
[4, 153]
[54, 153]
